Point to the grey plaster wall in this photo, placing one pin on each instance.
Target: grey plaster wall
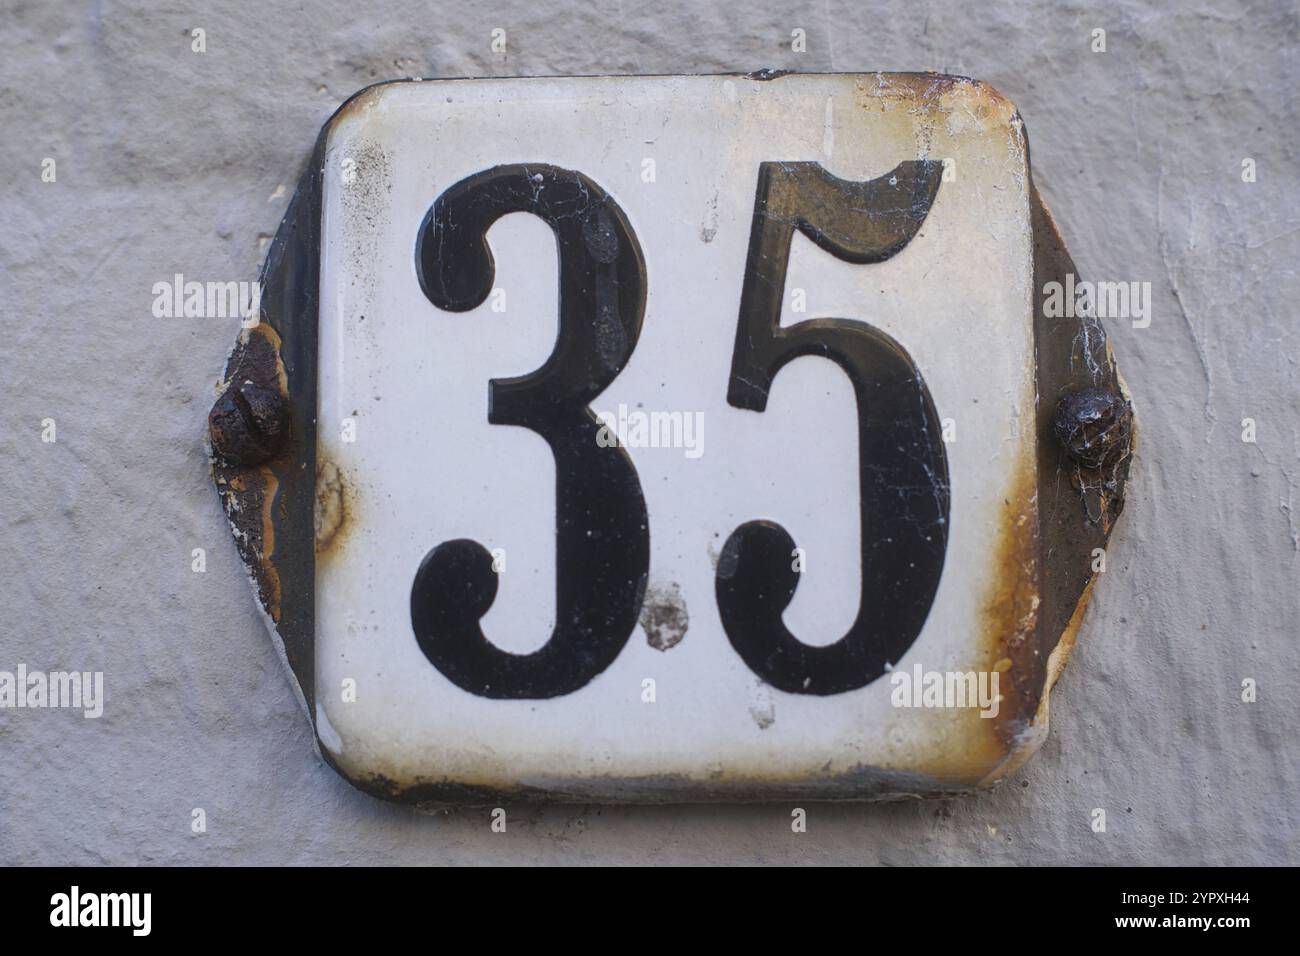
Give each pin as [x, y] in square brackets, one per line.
[173, 161]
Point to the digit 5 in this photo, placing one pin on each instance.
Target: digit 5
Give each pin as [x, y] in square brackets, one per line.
[902, 467]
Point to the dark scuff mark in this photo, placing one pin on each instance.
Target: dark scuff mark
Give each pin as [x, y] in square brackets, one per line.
[763, 708]
[709, 227]
[851, 783]
[664, 617]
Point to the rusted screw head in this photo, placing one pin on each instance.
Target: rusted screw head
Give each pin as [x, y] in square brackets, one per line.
[1094, 426]
[248, 424]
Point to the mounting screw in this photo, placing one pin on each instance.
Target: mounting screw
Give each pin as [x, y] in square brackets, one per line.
[248, 424]
[1094, 426]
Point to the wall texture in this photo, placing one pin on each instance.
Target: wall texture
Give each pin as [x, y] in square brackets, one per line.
[174, 161]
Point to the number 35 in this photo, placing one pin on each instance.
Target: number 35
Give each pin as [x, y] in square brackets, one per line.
[602, 530]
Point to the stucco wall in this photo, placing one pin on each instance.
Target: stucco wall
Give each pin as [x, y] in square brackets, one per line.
[174, 161]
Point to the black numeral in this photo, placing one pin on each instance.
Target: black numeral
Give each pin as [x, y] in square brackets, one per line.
[902, 468]
[602, 549]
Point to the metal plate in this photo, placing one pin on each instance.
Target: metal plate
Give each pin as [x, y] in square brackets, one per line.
[805, 307]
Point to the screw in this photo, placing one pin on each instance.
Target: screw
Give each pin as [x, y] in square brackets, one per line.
[1094, 426]
[248, 424]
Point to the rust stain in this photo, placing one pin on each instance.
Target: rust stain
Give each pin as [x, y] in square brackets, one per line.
[248, 494]
[271, 484]
[363, 101]
[272, 338]
[1010, 613]
[961, 748]
[335, 509]
[964, 749]
[1055, 665]
[928, 96]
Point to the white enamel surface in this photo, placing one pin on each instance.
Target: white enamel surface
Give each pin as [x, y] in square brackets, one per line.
[426, 466]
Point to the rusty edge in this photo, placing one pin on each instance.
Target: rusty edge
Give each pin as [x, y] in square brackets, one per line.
[270, 506]
[1076, 510]
[1030, 630]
